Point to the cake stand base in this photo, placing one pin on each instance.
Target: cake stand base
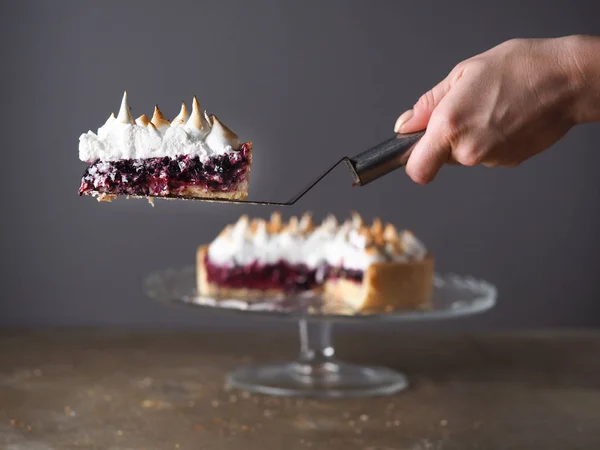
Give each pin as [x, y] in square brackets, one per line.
[330, 380]
[316, 373]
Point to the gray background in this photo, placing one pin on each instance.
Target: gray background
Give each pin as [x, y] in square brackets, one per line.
[307, 82]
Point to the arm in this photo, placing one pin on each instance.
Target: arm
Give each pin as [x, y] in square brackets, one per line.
[506, 105]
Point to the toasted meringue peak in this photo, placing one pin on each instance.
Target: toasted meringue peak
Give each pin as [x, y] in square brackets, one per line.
[390, 234]
[197, 120]
[124, 113]
[110, 118]
[208, 117]
[220, 134]
[373, 250]
[158, 119]
[395, 248]
[275, 224]
[377, 226]
[407, 236]
[330, 222]
[241, 225]
[292, 225]
[356, 219]
[377, 231]
[306, 222]
[365, 231]
[411, 245]
[260, 230]
[255, 224]
[226, 231]
[143, 120]
[343, 232]
[182, 117]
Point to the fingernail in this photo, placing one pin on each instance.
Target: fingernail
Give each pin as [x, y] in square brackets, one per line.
[404, 117]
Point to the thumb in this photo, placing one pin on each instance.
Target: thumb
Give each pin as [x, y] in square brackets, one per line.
[416, 119]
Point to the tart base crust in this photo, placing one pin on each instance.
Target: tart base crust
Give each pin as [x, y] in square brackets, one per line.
[241, 193]
[385, 287]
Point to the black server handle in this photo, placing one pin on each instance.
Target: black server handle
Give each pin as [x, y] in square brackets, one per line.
[383, 158]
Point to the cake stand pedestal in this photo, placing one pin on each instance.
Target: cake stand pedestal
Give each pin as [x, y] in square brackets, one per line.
[316, 372]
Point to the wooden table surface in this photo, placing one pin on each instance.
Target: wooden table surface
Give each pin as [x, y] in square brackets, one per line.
[130, 390]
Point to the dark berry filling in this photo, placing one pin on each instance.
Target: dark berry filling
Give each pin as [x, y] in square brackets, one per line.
[281, 275]
[164, 176]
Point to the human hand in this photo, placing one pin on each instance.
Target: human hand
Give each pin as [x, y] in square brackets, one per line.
[501, 107]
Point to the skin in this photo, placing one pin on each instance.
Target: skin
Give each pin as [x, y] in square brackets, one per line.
[504, 106]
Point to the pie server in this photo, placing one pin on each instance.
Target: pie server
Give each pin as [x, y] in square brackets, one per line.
[365, 167]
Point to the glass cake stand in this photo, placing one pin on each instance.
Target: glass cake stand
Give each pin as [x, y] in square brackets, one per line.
[316, 372]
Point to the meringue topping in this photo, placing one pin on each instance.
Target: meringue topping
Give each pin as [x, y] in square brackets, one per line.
[226, 231]
[242, 224]
[221, 136]
[377, 227]
[357, 220]
[411, 245]
[336, 244]
[330, 222]
[275, 223]
[197, 121]
[366, 235]
[159, 120]
[261, 233]
[122, 137]
[142, 121]
[182, 117]
[110, 118]
[390, 233]
[306, 223]
[124, 113]
[255, 224]
[293, 225]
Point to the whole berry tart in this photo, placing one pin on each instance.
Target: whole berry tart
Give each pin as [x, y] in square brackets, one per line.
[194, 155]
[357, 268]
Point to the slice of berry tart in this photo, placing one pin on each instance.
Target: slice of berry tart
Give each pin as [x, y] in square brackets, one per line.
[357, 268]
[194, 155]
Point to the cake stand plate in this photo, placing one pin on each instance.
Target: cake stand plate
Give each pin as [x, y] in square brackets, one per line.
[316, 372]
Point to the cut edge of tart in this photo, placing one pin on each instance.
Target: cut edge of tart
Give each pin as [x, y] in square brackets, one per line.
[385, 287]
[193, 156]
[356, 268]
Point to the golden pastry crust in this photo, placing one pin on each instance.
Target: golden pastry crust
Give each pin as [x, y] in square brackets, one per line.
[103, 197]
[240, 193]
[385, 286]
